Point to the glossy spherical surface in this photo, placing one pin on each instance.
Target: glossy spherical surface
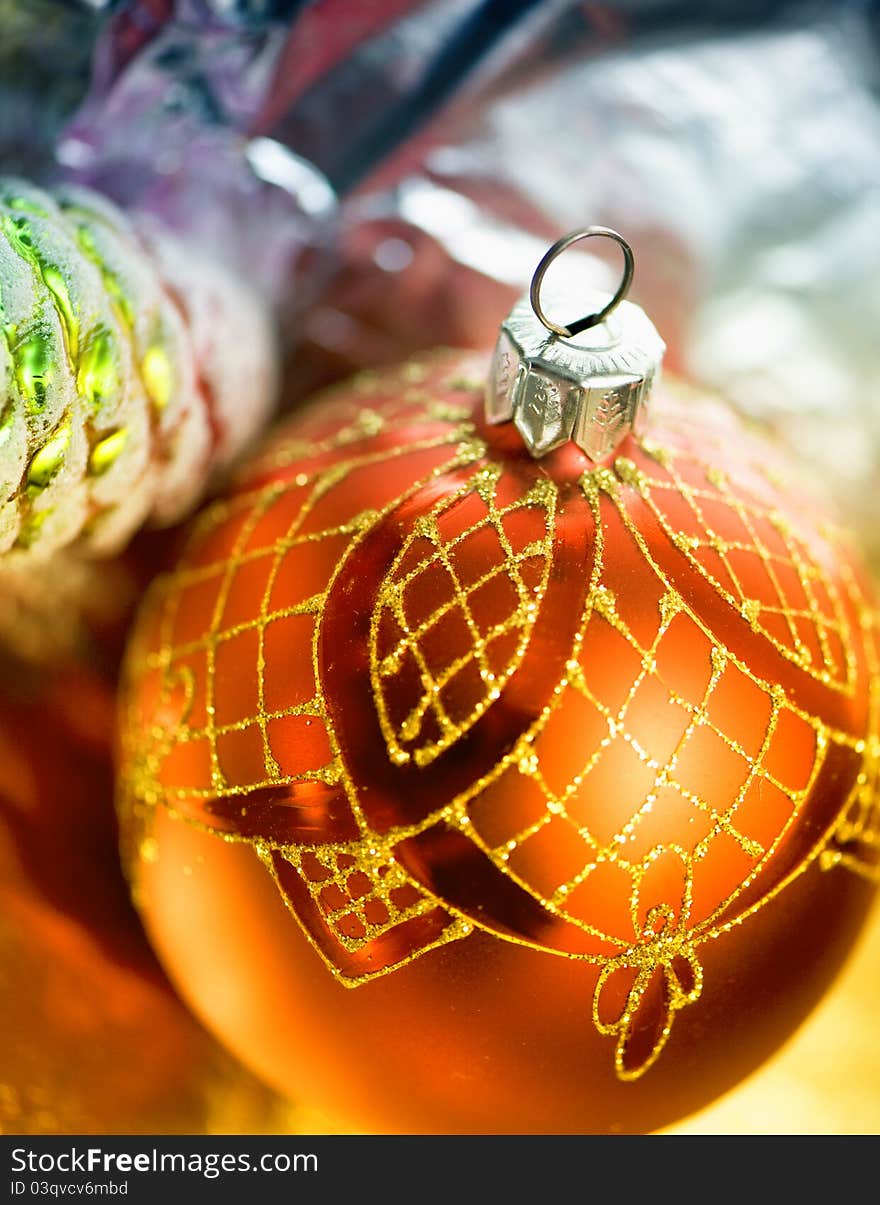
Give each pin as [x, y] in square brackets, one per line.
[562, 769]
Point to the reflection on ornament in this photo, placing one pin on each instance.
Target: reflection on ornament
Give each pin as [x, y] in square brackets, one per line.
[460, 698]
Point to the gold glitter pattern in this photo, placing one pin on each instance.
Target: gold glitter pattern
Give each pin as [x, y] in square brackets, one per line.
[665, 783]
[426, 551]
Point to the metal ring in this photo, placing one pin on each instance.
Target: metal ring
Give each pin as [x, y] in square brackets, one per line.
[582, 324]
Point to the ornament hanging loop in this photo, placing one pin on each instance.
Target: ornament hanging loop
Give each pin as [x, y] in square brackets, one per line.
[582, 324]
[586, 382]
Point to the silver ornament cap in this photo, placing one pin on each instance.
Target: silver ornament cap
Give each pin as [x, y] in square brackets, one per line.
[587, 381]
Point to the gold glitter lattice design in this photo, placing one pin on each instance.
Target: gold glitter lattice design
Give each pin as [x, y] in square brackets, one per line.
[617, 697]
[476, 634]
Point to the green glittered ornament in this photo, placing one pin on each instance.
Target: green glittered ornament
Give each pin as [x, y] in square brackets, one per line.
[131, 369]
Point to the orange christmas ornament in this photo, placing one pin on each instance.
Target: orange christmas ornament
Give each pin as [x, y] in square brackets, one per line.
[553, 718]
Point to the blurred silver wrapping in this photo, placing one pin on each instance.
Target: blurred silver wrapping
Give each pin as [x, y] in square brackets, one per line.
[744, 169]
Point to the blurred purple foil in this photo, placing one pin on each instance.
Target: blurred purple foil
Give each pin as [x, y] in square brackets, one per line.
[239, 124]
[164, 130]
